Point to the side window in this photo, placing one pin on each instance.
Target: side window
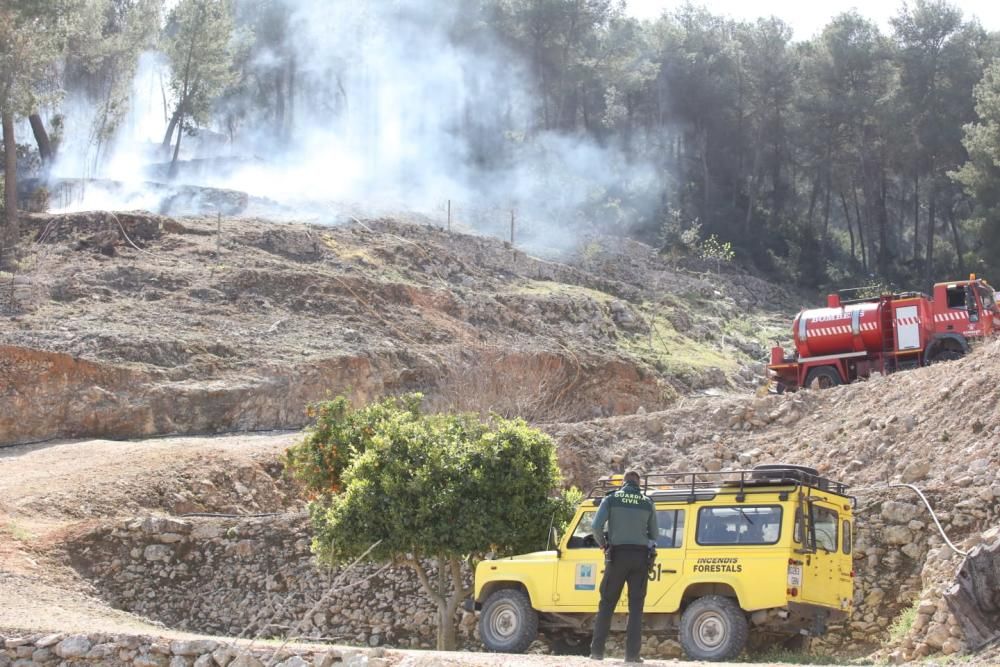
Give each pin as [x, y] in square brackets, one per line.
[670, 526]
[987, 298]
[739, 525]
[956, 296]
[582, 538]
[827, 523]
[848, 542]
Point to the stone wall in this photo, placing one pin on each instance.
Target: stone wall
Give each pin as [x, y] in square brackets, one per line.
[256, 577]
[143, 651]
[250, 577]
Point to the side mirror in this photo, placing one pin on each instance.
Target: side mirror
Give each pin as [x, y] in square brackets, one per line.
[553, 542]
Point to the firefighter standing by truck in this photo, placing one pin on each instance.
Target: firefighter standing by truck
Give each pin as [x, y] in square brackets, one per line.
[631, 520]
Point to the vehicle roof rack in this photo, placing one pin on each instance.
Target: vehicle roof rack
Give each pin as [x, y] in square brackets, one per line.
[699, 485]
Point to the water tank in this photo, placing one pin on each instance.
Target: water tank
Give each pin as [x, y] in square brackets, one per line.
[856, 327]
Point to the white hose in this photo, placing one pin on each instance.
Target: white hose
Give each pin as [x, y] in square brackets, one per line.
[933, 516]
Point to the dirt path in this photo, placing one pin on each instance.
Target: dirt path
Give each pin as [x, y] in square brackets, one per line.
[100, 478]
[50, 490]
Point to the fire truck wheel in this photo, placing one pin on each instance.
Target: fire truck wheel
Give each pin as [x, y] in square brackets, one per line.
[507, 623]
[713, 628]
[946, 355]
[827, 376]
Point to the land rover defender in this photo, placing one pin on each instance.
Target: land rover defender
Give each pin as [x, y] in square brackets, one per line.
[768, 548]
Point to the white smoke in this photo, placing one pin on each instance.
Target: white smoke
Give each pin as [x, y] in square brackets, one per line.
[393, 111]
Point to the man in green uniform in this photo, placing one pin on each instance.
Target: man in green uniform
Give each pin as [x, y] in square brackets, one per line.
[631, 520]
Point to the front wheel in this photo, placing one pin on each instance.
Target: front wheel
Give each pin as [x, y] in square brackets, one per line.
[824, 377]
[507, 623]
[713, 628]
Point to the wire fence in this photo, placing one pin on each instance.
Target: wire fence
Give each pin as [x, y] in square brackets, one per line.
[487, 220]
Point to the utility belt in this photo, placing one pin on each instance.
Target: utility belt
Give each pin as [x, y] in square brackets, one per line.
[612, 549]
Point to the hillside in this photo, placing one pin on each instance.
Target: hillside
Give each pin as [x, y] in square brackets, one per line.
[129, 325]
[626, 360]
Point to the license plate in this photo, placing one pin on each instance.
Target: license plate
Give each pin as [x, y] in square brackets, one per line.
[795, 575]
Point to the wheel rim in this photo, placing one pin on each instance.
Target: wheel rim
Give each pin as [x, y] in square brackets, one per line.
[710, 631]
[825, 382]
[504, 621]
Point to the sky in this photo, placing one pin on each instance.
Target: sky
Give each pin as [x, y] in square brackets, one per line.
[808, 18]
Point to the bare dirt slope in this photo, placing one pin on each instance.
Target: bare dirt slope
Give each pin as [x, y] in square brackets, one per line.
[50, 492]
[131, 325]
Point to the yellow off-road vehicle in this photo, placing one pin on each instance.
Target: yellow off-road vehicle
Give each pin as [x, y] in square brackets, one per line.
[768, 549]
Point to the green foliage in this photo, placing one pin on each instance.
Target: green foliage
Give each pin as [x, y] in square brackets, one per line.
[339, 434]
[981, 173]
[199, 46]
[423, 484]
[903, 623]
[715, 250]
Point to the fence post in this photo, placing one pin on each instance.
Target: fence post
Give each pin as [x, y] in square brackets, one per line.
[512, 226]
[449, 215]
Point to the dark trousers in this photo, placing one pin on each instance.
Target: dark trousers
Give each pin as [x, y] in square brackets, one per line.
[628, 565]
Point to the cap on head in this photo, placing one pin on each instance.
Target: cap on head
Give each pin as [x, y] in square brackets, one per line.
[633, 477]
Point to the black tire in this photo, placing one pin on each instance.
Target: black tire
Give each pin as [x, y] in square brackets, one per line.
[507, 623]
[946, 355]
[827, 376]
[714, 628]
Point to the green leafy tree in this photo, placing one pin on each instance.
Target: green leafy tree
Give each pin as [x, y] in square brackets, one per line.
[981, 173]
[939, 63]
[427, 487]
[101, 57]
[32, 36]
[199, 47]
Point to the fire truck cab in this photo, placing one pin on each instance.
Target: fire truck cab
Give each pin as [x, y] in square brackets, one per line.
[851, 339]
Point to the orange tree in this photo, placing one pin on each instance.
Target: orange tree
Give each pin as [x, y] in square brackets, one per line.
[428, 488]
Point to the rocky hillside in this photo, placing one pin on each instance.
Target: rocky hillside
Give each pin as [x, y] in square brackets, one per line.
[127, 325]
[130, 324]
[937, 428]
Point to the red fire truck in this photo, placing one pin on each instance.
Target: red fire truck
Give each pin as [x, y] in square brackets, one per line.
[851, 339]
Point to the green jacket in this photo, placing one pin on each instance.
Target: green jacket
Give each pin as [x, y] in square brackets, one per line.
[630, 516]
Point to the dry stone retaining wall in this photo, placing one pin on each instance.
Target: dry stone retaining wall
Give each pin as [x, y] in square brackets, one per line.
[142, 651]
[253, 577]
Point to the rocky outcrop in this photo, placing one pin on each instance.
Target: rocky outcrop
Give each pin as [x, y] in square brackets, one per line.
[53, 395]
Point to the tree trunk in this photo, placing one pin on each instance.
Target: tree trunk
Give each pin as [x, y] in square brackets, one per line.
[884, 258]
[931, 214]
[41, 138]
[447, 596]
[916, 218]
[292, 72]
[171, 126]
[8, 240]
[279, 102]
[861, 231]
[850, 229]
[956, 239]
[172, 172]
[813, 196]
[826, 214]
